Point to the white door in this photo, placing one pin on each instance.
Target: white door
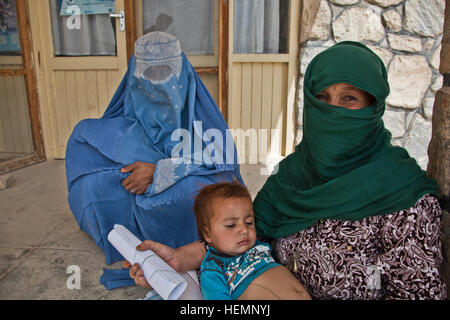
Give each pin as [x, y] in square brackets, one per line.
[82, 57]
[263, 50]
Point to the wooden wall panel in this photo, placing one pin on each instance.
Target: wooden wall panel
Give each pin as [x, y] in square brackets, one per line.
[266, 100]
[6, 135]
[23, 126]
[78, 95]
[62, 118]
[92, 101]
[15, 128]
[211, 83]
[236, 101]
[278, 96]
[259, 99]
[256, 93]
[102, 91]
[246, 103]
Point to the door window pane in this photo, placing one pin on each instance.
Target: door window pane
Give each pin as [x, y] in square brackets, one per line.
[191, 22]
[261, 26]
[9, 32]
[81, 32]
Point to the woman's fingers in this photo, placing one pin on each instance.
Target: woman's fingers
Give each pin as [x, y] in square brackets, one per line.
[127, 182]
[135, 188]
[128, 168]
[140, 178]
[140, 189]
[166, 253]
[147, 244]
[130, 184]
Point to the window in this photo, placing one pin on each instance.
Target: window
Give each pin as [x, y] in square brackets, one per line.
[261, 26]
[9, 33]
[191, 22]
[83, 31]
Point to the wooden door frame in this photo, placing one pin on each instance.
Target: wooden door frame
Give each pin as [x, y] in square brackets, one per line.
[29, 74]
[290, 59]
[221, 70]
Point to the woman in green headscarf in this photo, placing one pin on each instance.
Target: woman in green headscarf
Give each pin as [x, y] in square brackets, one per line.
[352, 216]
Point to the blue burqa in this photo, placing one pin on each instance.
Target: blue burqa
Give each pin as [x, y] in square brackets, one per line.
[162, 114]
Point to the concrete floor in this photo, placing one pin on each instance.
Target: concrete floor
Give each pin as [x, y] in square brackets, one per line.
[40, 239]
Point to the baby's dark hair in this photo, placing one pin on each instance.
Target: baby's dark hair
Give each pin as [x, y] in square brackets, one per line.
[205, 197]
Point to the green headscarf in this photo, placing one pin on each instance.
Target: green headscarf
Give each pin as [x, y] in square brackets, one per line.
[345, 167]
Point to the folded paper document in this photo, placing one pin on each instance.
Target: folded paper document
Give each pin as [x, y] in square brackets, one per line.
[168, 283]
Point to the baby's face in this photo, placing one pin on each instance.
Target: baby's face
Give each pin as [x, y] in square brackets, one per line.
[232, 226]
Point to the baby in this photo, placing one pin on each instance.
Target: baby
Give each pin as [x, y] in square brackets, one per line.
[237, 266]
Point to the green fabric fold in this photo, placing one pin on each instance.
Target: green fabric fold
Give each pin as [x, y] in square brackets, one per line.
[345, 167]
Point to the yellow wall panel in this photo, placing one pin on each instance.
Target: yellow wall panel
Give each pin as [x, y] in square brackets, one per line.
[256, 95]
[15, 129]
[80, 94]
[246, 102]
[259, 99]
[236, 97]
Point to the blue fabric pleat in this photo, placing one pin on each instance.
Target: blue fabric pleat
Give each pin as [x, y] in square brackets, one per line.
[116, 278]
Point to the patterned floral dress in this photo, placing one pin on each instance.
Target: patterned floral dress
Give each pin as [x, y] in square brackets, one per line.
[394, 256]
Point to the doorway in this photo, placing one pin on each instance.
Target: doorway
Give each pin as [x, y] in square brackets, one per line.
[82, 57]
[21, 142]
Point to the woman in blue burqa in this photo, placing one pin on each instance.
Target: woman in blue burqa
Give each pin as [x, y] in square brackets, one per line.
[160, 140]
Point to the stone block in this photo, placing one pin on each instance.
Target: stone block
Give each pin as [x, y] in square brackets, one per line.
[384, 54]
[418, 139]
[309, 16]
[307, 54]
[394, 121]
[344, 2]
[359, 24]
[428, 104]
[392, 20]
[409, 79]
[436, 58]
[437, 84]
[321, 27]
[424, 17]
[405, 43]
[385, 3]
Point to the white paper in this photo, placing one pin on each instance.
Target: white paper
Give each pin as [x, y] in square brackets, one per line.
[192, 291]
[169, 284]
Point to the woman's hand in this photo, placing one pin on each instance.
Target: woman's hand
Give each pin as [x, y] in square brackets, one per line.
[140, 178]
[185, 258]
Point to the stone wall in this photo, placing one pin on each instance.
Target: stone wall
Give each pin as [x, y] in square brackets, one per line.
[407, 35]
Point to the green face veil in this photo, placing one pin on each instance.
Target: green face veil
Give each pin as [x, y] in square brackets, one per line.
[345, 167]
